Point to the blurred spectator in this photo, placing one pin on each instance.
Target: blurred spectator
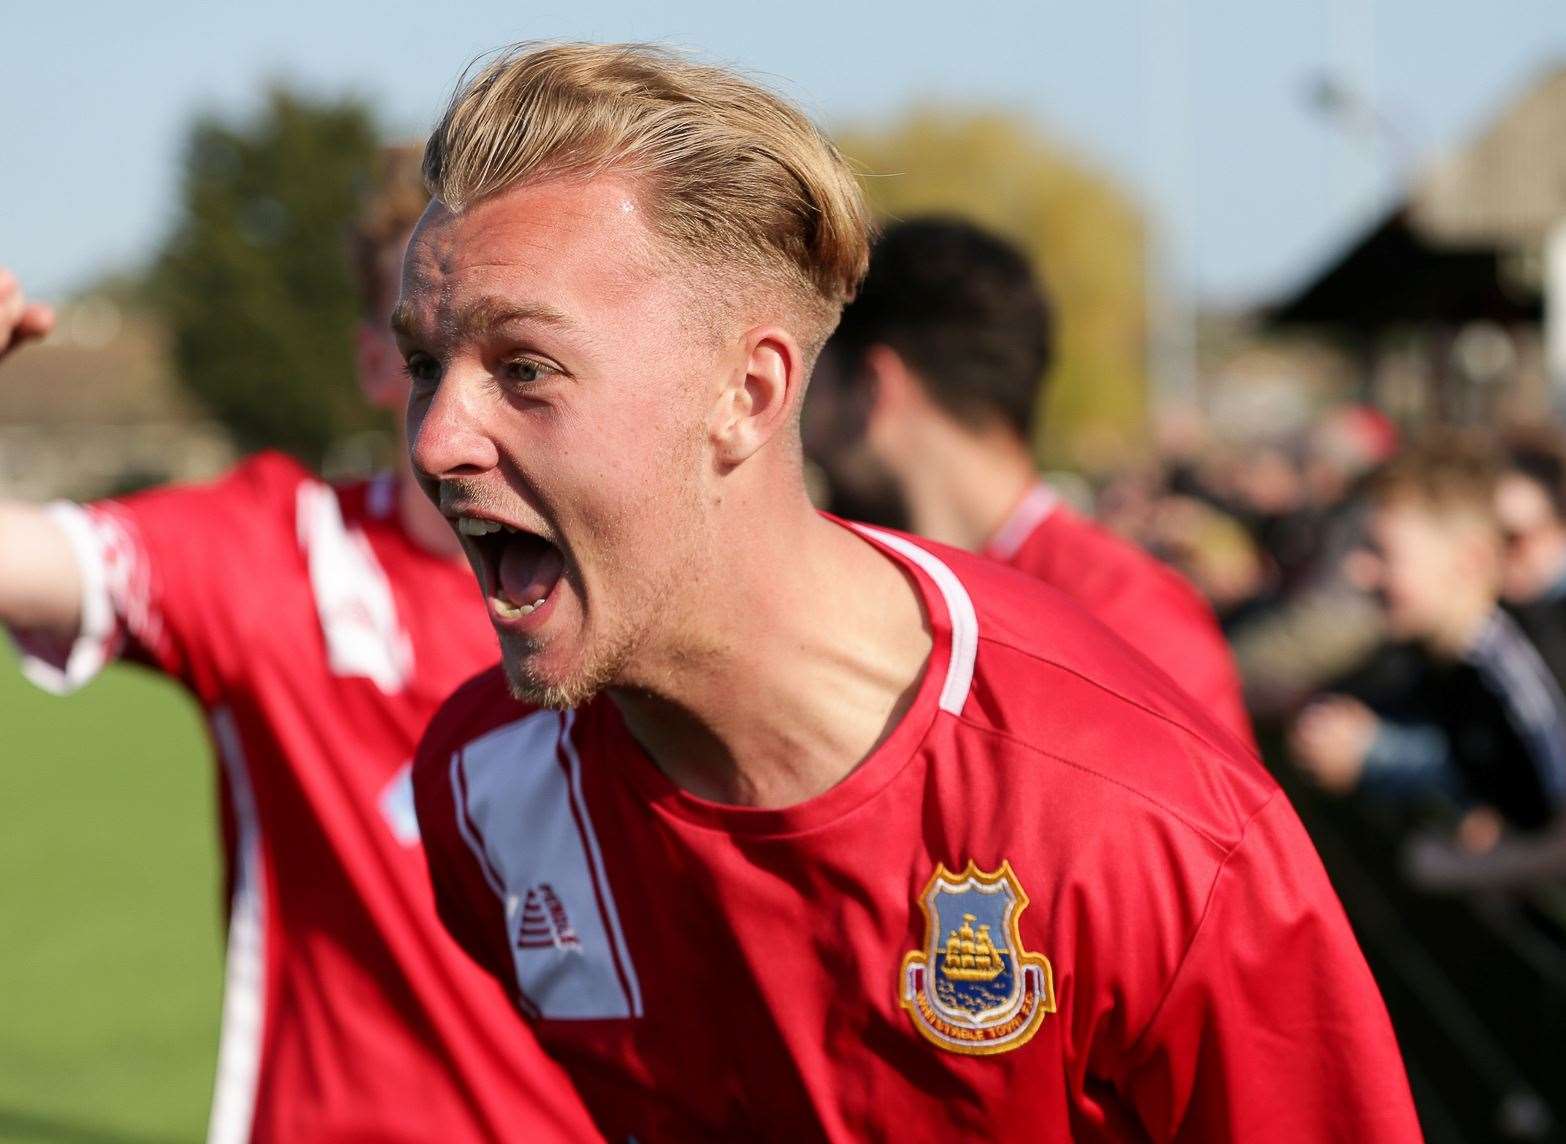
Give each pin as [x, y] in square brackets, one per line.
[1530, 502]
[1493, 732]
[1347, 443]
[1530, 506]
[921, 413]
[1214, 550]
[1317, 620]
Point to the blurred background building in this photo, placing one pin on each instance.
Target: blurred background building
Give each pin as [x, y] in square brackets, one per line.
[1453, 307]
[99, 410]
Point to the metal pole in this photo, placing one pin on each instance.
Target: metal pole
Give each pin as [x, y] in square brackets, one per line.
[1351, 31]
[1171, 309]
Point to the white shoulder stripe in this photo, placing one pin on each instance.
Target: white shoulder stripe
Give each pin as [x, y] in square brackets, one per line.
[353, 598]
[965, 621]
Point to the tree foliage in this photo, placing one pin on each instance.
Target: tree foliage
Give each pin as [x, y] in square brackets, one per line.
[255, 281]
[1084, 234]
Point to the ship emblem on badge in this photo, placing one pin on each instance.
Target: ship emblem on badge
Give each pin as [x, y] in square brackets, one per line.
[973, 988]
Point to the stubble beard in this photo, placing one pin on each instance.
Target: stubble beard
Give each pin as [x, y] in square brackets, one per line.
[603, 663]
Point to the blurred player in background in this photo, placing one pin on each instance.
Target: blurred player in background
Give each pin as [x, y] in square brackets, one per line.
[1484, 722]
[926, 398]
[778, 827]
[318, 626]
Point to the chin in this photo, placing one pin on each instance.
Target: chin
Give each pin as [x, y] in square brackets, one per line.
[555, 696]
[560, 687]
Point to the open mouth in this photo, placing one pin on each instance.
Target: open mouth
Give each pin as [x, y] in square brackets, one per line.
[520, 569]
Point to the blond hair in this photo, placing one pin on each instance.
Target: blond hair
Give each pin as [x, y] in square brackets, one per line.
[731, 175]
[393, 202]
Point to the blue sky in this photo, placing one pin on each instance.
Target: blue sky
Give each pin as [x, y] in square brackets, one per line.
[1197, 105]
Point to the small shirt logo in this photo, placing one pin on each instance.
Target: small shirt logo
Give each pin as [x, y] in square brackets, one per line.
[545, 923]
[972, 988]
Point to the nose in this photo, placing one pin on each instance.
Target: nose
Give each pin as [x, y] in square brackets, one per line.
[446, 432]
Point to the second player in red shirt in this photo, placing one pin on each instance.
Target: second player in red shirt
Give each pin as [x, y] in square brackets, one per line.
[923, 410]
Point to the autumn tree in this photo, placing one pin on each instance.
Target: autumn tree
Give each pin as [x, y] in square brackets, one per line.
[1084, 234]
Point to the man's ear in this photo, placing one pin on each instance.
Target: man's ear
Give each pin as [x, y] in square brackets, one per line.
[891, 389]
[758, 400]
[378, 372]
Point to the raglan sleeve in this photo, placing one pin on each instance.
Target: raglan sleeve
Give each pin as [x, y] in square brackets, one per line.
[168, 576]
[1272, 1027]
[1206, 665]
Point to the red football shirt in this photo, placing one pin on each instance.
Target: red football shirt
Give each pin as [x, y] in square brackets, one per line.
[1058, 902]
[319, 639]
[1144, 602]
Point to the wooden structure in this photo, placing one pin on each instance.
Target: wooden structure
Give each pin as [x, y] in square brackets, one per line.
[1455, 302]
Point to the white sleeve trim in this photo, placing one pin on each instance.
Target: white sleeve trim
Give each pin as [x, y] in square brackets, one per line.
[89, 651]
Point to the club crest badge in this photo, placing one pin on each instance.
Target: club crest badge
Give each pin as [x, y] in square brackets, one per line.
[973, 988]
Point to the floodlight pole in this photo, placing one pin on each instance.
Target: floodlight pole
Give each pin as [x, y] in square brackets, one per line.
[1171, 308]
[1350, 96]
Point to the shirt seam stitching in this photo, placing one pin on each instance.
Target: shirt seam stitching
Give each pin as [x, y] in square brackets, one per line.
[1135, 1050]
[1223, 848]
[1126, 699]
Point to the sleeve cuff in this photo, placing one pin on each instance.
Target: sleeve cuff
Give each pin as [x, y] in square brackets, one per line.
[62, 668]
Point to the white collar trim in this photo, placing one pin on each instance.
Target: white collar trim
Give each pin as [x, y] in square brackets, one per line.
[1036, 506]
[959, 605]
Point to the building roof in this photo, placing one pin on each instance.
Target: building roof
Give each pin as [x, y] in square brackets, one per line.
[101, 365]
[1462, 244]
[1397, 274]
[1508, 186]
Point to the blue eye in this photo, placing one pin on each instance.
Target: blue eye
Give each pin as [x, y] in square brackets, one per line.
[525, 370]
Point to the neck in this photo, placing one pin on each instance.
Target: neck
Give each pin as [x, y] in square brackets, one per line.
[809, 647]
[960, 486]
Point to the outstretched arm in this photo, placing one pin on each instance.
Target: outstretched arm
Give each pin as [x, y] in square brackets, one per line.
[40, 581]
[40, 577]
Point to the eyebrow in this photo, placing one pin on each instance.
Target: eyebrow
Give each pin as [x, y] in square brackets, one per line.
[486, 314]
[402, 320]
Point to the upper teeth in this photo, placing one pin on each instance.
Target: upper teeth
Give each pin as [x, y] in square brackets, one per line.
[477, 526]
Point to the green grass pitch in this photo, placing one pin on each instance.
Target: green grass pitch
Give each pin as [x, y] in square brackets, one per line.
[110, 913]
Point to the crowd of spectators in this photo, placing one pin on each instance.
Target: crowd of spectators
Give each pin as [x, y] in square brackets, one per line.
[1397, 607]
[1395, 601]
